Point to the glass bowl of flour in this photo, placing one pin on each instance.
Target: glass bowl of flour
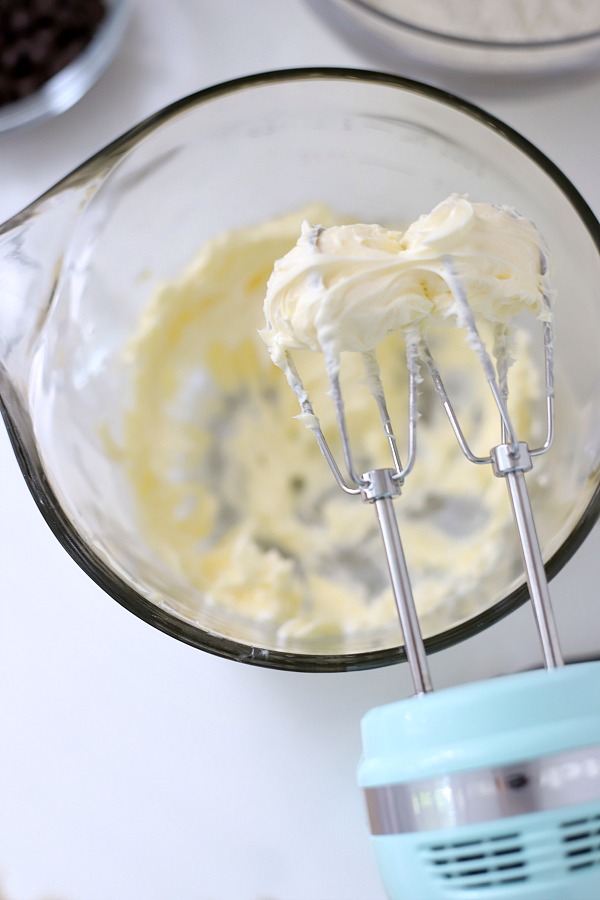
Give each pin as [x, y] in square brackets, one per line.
[161, 443]
[493, 38]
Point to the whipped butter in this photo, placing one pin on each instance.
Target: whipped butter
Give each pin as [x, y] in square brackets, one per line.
[346, 287]
[232, 496]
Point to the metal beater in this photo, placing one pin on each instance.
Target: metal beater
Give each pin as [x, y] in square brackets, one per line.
[510, 460]
[380, 487]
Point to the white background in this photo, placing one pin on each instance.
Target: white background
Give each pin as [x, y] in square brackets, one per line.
[133, 767]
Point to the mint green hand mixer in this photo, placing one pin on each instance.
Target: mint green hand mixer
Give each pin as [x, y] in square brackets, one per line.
[491, 789]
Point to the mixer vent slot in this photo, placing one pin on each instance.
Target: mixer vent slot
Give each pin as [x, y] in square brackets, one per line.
[581, 842]
[476, 864]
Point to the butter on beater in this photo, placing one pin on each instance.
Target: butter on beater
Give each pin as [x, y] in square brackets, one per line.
[346, 287]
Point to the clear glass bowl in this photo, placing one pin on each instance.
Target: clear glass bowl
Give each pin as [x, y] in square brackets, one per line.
[79, 266]
[482, 39]
[69, 85]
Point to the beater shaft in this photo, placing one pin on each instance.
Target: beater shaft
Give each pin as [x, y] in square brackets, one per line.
[534, 569]
[380, 491]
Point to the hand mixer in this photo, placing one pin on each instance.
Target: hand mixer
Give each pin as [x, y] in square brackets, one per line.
[492, 789]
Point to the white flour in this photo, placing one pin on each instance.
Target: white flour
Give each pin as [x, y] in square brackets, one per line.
[498, 20]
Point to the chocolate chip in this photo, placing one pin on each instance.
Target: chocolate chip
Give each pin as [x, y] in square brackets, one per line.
[38, 38]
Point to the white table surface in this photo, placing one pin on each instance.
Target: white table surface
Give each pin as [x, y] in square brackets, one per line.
[133, 767]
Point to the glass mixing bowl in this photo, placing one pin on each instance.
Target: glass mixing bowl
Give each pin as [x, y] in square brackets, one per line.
[78, 268]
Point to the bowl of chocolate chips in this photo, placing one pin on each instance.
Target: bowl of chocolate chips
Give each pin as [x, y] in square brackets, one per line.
[52, 52]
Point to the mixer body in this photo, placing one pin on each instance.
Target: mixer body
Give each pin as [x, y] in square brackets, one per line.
[489, 789]
[526, 857]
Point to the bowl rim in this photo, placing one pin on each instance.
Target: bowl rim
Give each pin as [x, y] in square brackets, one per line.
[21, 432]
[399, 24]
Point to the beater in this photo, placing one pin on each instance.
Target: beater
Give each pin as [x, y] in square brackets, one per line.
[491, 789]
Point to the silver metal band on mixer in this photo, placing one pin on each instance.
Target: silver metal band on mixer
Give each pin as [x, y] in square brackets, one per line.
[483, 795]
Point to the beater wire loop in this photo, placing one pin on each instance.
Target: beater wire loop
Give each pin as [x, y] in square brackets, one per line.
[549, 376]
[340, 413]
[376, 388]
[466, 318]
[440, 389]
[313, 423]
